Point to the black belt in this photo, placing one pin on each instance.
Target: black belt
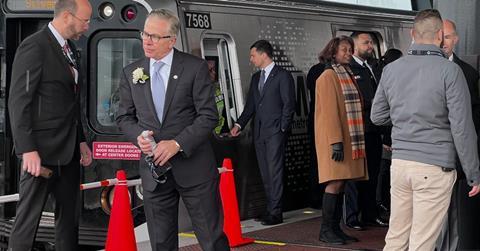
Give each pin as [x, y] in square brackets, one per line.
[447, 169]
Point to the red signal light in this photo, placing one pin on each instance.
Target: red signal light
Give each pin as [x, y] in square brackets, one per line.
[129, 13]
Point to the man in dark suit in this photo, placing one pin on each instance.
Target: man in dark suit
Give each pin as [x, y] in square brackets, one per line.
[361, 194]
[271, 101]
[170, 94]
[449, 237]
[46, 127]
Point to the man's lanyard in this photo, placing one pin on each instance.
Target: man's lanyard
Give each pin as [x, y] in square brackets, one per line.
[425, 53]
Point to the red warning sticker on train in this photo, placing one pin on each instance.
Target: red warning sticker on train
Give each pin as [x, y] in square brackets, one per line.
[116, 150]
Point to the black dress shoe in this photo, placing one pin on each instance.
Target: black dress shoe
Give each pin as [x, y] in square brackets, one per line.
[347, 238]
[272, 220]
[378, 222]
[355, 225]
[330, 237]
[261, 217]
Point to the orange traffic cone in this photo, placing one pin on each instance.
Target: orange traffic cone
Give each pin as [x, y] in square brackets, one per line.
[121, 235]
[231, 223]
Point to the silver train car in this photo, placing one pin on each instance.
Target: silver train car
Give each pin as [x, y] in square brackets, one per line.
[221, 31]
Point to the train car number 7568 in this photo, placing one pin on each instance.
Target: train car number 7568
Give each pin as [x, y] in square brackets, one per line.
[198, 20]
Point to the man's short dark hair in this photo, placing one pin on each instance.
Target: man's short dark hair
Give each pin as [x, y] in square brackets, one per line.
[426, 14]
[355, 34]
[65, 5]
[263, 46]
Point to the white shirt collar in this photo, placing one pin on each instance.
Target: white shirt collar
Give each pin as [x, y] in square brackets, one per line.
[268, 69]
[359, 60]
[57, 35]
[62, 42]
[167, 60]
[451, 57]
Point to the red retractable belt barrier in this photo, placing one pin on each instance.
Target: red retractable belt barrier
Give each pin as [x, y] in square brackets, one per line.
[228, 193]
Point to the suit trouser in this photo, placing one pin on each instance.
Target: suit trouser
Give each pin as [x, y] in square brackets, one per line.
[315, 189]
[420, 198]
[359, 194]
[65, 187]
[271, 160]
[204, 207]
[382, 195]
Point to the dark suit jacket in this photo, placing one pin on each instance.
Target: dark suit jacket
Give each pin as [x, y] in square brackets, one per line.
[189, 117]
[472, 77]
[472, 81]
[367, 87]
[312, 77]
[273, 109]
[44, 112]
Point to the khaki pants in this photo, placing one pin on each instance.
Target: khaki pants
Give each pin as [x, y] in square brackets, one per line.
[420, 197]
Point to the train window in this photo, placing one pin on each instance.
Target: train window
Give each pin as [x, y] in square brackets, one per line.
[376, 37]
[111, 55]
[219, 51]
[388, 4]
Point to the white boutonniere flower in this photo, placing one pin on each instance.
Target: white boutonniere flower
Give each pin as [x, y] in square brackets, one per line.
[139, 76]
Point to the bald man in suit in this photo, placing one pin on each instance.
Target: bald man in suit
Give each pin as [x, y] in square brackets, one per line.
[449, 237]
[46, 126]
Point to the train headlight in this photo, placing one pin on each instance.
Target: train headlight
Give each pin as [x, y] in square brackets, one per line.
[106, 10]
[139, 191]
[106, 198]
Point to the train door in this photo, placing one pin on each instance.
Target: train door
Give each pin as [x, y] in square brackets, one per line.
[109, 52]
[113, 41]
[219, 50]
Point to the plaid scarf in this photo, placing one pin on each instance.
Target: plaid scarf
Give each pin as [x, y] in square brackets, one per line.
[353, 107]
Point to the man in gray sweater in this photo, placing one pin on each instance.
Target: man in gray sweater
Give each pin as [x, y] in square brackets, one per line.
[426, 98]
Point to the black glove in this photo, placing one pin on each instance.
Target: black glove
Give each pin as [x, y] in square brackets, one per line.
[337, 151]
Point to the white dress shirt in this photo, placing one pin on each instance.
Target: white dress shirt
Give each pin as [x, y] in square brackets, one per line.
[165, 70]
[268, 69]
[62, 42]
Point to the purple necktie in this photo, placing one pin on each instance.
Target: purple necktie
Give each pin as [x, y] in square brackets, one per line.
[158, 89]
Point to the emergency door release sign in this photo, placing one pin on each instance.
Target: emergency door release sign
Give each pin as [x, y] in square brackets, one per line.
[116, 150]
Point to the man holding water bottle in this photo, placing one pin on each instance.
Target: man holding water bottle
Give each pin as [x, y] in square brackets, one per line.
[167, 108]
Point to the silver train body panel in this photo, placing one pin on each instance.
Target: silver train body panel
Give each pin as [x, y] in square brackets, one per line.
[221, 31]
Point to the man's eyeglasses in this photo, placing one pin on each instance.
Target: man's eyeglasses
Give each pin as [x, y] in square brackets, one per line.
[154, 38]
[85, 21]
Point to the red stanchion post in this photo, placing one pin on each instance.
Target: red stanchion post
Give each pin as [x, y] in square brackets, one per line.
[121, 235]
[228, 193]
